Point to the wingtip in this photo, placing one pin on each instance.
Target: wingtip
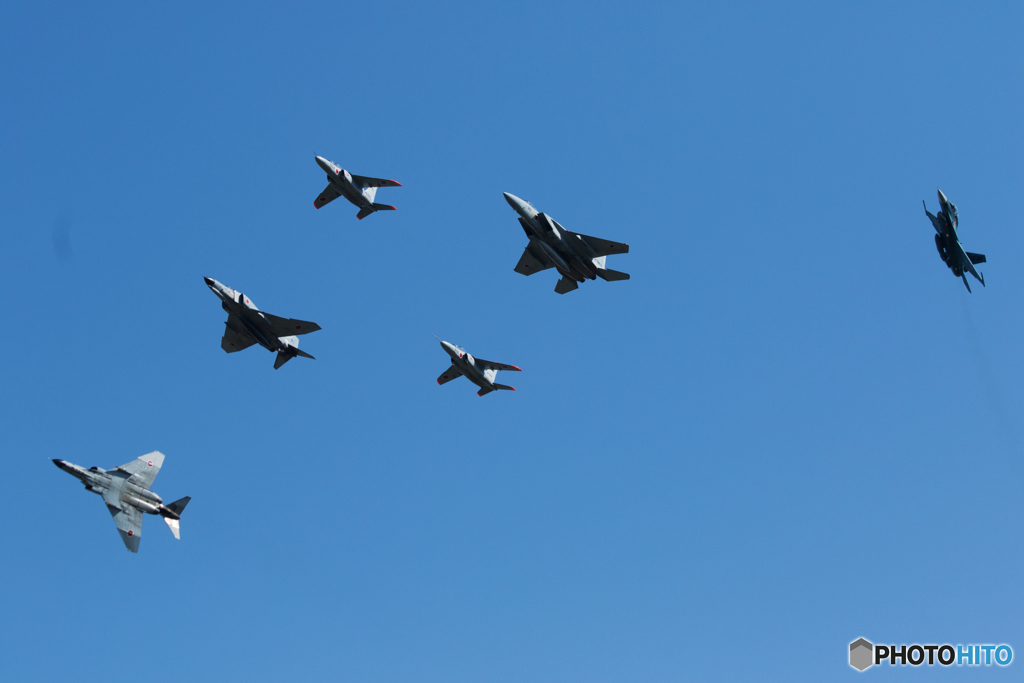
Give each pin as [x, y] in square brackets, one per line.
[517, 368]
[397, 183]
[315, 206]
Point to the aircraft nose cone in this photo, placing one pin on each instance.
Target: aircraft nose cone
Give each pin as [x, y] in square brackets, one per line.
[209, 281]
[59, 463]
[512, 200]
[942, 197]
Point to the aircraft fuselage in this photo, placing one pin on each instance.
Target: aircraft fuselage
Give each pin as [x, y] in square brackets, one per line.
[465, 364]
[572, 257]
[242, 307]
[341, 180]
[113, 485]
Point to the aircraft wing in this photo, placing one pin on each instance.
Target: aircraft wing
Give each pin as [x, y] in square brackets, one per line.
[129, 524]
[491, 365]
[968, 263]
[366, 181]
[602, 247]
[449, 374]
[285, 327]
[143, 469]
[233, 339]
[326, 197]
[530, 264]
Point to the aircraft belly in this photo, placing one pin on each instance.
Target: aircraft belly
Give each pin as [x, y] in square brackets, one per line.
[556, 258]
[262, 338]
[349, 193]
[471, 373]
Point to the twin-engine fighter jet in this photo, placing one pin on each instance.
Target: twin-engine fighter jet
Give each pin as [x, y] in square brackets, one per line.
[576, 257]
[948, 243]
[125, 490]
[478, 371]
[247, 325]
[358, 189]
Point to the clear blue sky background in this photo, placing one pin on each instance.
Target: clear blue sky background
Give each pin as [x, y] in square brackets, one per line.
[792, 428]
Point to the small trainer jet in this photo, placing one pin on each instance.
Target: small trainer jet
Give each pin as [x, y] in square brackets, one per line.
[247, 325]
[948, 243]
[478, 371]
[577, 257]
[125, 490]
[358, 189]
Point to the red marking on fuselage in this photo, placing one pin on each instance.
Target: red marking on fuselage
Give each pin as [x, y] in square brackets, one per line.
[150, 463]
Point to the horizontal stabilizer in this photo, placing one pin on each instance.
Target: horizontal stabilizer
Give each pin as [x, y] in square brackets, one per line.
[178, 506]
[611, 275]
[484, 391]
[363, 213]
[175, 526]
[975, 258]
[384, 207]
[565, 285]
[504, 387]
[286, 354]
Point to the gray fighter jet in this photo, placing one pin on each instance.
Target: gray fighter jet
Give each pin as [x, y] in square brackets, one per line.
[577, 257]
[948, 243]
[125, 490]
[478, 371]
[358, 189]
[247, 325]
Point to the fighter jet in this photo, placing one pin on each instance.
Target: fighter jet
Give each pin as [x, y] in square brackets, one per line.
[358, 189]
[577, 257]
[125, 490]
[478, 371]
[247, 325]
[948, 243]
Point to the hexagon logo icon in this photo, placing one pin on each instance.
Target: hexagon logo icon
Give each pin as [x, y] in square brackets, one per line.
[862, 654]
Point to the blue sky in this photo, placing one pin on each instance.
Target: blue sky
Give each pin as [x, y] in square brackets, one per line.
[792, 428]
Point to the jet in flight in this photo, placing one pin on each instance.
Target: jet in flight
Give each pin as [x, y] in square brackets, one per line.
[358, 189]
[478, 371]
[125, 490]
[575, 256]
[247, 325]
[948, 243]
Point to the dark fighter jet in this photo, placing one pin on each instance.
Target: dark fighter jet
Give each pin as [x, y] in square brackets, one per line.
[948, 244]
[576, 257]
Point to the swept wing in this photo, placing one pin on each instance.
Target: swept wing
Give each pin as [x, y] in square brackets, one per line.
[602, 247]
[491, 365]
[367, 181]
[285, 327]
[235, 337]
[129, 524]
[326, 197]
[143, 470]
[449, 374]
[530, 264]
